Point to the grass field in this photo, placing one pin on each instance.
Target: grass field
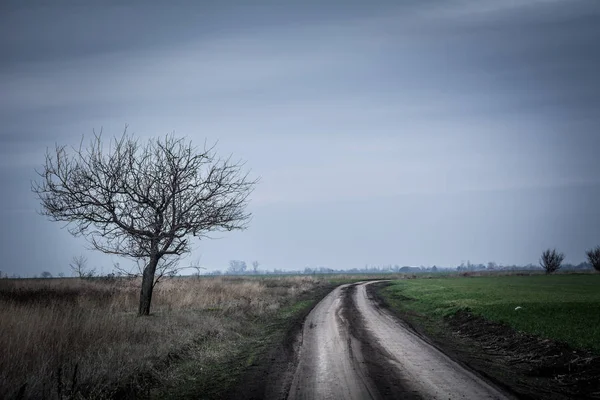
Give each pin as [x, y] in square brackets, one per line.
[72, 338]
[565, 308]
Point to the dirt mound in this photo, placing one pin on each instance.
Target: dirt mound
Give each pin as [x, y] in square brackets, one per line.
[544, 365]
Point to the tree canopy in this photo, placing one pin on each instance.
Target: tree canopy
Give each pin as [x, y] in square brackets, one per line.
[143, 201]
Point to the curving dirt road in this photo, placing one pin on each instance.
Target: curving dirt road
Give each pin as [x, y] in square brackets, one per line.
[352, 349]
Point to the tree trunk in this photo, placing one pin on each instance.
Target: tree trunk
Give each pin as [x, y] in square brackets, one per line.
[147, 286]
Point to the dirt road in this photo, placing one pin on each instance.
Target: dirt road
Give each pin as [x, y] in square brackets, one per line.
[352, 349]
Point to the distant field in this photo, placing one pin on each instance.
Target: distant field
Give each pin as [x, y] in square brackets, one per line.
[560, 307]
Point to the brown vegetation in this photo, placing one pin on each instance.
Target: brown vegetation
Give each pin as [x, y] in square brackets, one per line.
[74, 338]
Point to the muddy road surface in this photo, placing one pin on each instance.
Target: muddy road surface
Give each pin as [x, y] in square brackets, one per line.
[352, 349]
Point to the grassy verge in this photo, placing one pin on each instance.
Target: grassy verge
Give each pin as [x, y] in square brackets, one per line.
[71, 338]
[565, 308]
[221, 377]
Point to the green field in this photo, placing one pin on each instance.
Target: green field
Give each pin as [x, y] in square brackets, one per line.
[565, 308]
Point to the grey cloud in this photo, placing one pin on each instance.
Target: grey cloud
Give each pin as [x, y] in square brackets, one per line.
[412, 132]
[62, 30]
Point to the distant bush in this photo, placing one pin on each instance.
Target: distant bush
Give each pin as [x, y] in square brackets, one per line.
[79, 267]
[594, 257]
[551, 260]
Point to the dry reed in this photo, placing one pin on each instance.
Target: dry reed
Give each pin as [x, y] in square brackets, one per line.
[71, 338]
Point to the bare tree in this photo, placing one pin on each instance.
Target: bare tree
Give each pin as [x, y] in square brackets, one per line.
[167, 266]
[551, 260]
[79, 267]
[594, 257]
[255, 266]
[46, 275]
[130, 272]
[145, 201]
[196, 265]
[237, 267]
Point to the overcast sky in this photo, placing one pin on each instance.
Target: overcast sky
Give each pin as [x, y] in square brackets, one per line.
[401, 132]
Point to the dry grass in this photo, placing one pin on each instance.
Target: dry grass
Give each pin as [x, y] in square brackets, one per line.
[71, 338]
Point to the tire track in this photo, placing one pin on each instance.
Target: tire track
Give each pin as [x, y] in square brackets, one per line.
[351, 349]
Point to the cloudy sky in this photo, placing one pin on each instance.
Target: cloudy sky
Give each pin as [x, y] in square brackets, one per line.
[401, 132]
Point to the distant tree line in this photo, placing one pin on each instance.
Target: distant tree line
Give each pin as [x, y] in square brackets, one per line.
[550, 261]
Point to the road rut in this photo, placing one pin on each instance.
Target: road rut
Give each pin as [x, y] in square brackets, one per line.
[353, 349]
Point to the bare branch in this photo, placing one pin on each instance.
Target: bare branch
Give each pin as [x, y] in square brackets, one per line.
[79, 267]
[143, 201]
[593, 256]
[551, 260]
